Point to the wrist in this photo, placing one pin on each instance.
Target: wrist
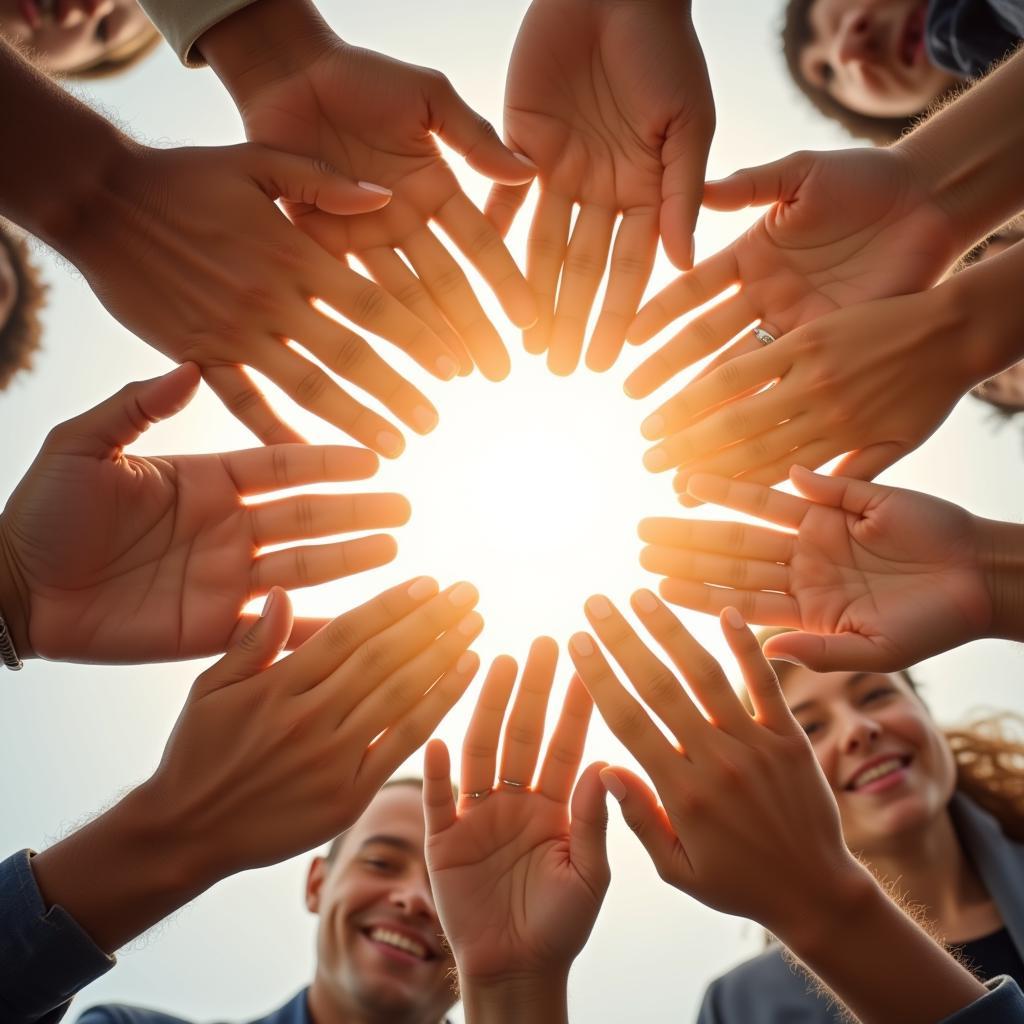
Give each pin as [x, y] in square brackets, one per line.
[15, 597]
[541, 999]
[1001, 555]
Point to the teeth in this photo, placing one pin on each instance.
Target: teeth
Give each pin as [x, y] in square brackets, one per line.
[402, 942]
[877, 771]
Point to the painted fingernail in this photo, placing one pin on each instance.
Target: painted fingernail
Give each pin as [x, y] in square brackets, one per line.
[421, 589]
[447, 367]
[390, 444]
[599, 607]
[378, 189]
[733, 617]
[465, 663]
[424, 419]
[463, 594]
[613, 784]
[656, 460]
[645, 602]
[471, 624]
[652, 427]
[582, 645]
[269, 603]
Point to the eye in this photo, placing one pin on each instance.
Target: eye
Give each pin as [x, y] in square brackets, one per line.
[810, 728]
[879, 693]
[103, 27]
[378, 864]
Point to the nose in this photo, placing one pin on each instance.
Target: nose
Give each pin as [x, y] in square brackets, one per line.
[413, 897]
[856, 40]
[860, 734]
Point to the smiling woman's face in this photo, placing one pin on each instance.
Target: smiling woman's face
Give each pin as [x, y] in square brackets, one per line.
[81, 41]
[889, 766]
[869, 55]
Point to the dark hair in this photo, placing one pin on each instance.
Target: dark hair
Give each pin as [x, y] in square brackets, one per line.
[20, 334]
[411, 781]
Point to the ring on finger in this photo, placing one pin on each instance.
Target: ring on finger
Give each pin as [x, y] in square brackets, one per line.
[764, 336]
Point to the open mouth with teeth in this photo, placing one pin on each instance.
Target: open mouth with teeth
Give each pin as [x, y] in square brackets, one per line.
[880, 775]
[911, 40]
[398, 945]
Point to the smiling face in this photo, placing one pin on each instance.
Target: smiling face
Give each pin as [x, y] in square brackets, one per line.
[890, 768]
[81, 40]
[869, 56]
[380, 953]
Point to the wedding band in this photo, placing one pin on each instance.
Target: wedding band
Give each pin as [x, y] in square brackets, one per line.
[763, 336]
[478, 795]
[514, 785]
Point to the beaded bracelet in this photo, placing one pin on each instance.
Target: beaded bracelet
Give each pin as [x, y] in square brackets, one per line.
[8, 655]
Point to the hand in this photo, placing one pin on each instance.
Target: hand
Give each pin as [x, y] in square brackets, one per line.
[845, 227]
[374, 119]
[874, 380]
[876, 578]
[120, 558]
[312, 738]
[748, 824]
[187, 249]
[611, 100]
[518, 885]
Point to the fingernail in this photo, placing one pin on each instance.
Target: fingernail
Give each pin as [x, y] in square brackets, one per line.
[656, 460]
[613, 784]
[791, 658]
[582, 645]
[379, 189]
[523, 159]
[424, 418]
[471, 624]
[733, 617]
[462, 594]
[693, 249]
[390, 444]
[447, 367]
[652, 427]
[421, 589]
[599, 607]
[644, 601]
[465, 663]
[269, 603]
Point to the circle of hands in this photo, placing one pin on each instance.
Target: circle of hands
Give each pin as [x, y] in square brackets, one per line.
[162, 555]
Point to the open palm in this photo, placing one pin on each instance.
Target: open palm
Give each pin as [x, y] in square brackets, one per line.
[120, 558]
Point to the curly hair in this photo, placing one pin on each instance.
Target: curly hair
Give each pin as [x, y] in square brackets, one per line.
[20, 334]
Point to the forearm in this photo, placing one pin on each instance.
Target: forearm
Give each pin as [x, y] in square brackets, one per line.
[1001, 551]
[511, 1000]
[967, 155]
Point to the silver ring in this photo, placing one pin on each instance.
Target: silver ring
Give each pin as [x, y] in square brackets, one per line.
[514, 785]
[763, 336]
[479, 794]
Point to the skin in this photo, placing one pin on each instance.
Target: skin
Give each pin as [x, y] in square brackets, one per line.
[79, 33]
[1006, 388]
[8, 287]
[870, 56]
[379, 878]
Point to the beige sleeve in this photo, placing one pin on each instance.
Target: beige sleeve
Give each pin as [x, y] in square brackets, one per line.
[182, 22]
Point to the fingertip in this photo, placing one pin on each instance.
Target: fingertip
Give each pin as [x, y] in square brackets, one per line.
[613, 785]
[731, 619]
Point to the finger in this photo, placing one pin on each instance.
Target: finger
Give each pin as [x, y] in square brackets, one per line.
[753, 499]
[545, 253]
[647, 819]
[746, 344]
[565, 751]
[636, 246]
[624, 715]
[449, 288]
[390, 271]
[303, 629]
[503, 203]
[758, 186]
[759, 677]
[855, 496]
[844, 652]
[401, 691]
[308, 386]
[305, 516]
[708, 279]
[281, 466]
[764, 608]
[108, 427]
[867, 463]
[707, 681]
[585, 260]
[480, 747]
[809, 455]
[705, 334]
[732, 538]
[741, 573]
[684, 154]
[256, 648]
[438, 799]
[653, 680]
[412, 730]
[240, 396]
[482, 245]
[313, 564]
[588, 829]
[524, 731]
[474, 137]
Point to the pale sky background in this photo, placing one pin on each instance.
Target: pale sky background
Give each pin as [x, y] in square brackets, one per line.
[531, 489]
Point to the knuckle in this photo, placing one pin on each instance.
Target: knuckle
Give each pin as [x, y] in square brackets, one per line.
[348, 354]
[369, 303]
[584, 264]
[311, 387]
[662, 686]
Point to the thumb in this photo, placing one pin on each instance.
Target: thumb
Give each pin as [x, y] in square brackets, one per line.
[684, 157]
[844, 652]
[855, 496]
[474, 138]
[256, 649]
[588, 831]
[119, 421]
[758, 186]
[642, 813]
[315, 183]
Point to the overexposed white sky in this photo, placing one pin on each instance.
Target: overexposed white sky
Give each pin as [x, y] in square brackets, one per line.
[531, 489]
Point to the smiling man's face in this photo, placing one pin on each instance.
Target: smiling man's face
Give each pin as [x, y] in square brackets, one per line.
[380, 954]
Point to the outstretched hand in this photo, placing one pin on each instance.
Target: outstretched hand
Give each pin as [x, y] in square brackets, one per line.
[611, 100]
[122, 558]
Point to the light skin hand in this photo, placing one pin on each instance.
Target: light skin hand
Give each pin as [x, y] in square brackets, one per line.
[313, 738]
[747, 823]
[611, 100]
[301, 89]
[113, 557]
[518, 873]
[874, 578]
